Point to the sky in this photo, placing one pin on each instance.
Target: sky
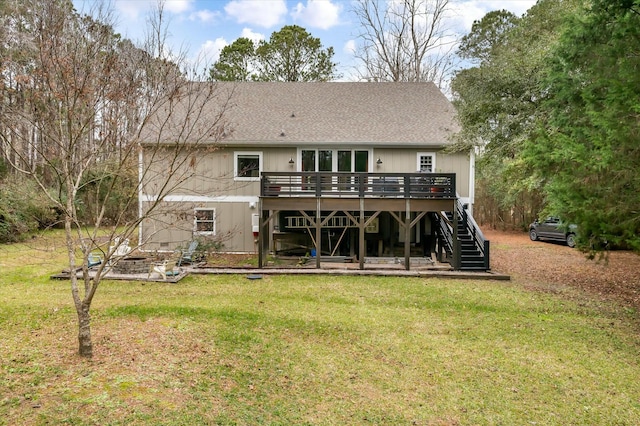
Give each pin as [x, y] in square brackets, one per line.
[204, 27]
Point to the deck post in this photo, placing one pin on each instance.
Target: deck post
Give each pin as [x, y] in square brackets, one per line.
[361, 246]
[260, 237]
[263, 236]
[318, 232]
[407, 234]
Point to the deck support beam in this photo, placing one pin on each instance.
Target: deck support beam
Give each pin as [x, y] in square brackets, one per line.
[407, 234]
[318, 233]
[263, 236]
[361, 245]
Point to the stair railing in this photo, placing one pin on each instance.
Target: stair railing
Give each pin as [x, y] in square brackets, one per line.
[445, 236]
[472, 227]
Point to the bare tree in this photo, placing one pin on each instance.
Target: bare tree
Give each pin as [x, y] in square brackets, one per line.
[405, 40]
[78, 115]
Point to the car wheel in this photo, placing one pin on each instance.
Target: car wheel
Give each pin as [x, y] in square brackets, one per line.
[533, 235]
[571, 240]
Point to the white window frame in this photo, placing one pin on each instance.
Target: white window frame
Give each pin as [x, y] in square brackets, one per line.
[195, 221]
[419, 155]
[236, 154]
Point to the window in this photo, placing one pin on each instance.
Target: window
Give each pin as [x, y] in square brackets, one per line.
[344, 161]
[362, 161]
[328, 160]
[426, 162]
[247, 165]
[308, 161]
[325, 162]
[204, 221]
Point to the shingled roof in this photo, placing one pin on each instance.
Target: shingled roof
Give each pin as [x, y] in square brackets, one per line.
[380, 114]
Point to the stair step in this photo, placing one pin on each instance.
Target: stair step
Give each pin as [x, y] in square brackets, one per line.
[479, 262]
[473, 261]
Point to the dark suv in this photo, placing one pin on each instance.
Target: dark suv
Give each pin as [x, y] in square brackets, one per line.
[553, 229]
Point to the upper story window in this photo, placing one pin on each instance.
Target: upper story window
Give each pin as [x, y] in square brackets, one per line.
[247, 165]
[426, 162]
[334, 160]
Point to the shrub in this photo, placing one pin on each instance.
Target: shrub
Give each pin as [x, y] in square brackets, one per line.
[23, 209]
[117, 192]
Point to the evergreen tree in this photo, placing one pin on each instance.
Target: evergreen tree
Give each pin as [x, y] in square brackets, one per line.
[588, 148]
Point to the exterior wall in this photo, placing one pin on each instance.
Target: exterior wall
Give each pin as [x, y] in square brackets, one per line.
[209, 183]
[405, 160]
[175, 229]
[208, 172]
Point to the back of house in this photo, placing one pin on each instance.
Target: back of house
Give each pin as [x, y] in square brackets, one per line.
[341, 169]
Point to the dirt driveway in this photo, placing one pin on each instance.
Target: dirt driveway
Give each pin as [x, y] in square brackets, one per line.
[552, 266]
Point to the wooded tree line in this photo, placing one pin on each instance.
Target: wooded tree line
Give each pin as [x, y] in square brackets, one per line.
[76, 103]
[291, 54]
[552, 103]
[68, 82]
[405, 40]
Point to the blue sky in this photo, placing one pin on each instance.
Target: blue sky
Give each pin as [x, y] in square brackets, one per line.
[204, 27]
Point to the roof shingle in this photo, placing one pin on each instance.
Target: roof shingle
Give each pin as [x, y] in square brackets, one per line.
[278, 113]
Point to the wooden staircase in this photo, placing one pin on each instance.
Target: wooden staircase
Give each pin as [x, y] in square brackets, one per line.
[461, 241]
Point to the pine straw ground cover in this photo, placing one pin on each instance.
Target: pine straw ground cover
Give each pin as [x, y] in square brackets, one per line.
[317, 350]
[555, 267]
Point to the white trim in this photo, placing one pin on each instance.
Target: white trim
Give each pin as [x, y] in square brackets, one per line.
[195, 221]
[235, 165]
[202, 199]
[426, 154]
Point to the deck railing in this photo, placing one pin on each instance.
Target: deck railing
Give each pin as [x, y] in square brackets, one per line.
[358, 185]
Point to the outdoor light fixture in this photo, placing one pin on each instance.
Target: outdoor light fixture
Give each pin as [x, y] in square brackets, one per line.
[291, 160]
[379, 161]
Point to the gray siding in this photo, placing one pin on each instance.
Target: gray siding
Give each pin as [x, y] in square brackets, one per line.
[212, 186]
[396, 160]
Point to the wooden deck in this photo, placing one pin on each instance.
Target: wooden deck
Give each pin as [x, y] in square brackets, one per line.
[321, 198]
[358, 185]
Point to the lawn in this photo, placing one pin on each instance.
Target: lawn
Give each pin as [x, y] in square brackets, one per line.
[311, 350]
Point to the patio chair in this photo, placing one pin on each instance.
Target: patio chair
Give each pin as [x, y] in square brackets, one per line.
[165, 269]
[120, 249]
[188, 256]
[93, 260]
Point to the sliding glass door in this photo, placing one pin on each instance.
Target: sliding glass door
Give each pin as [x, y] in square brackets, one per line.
[362, 161]
[328, 160]
[341, 160]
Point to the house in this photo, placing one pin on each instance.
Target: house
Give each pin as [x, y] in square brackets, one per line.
[340, 169]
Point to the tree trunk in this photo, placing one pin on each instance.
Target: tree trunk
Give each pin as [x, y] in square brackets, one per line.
[85, 347]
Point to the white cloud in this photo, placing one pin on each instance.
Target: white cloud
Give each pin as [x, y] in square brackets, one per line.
[204, 15]
[317, 14]
[131, 10]
[266, 14]
[466, 12]
[517, 7]
[349, 47]
[254, 37]
[211, 49]
[177, 6]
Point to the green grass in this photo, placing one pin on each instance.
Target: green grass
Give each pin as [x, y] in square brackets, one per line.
[313, 350]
